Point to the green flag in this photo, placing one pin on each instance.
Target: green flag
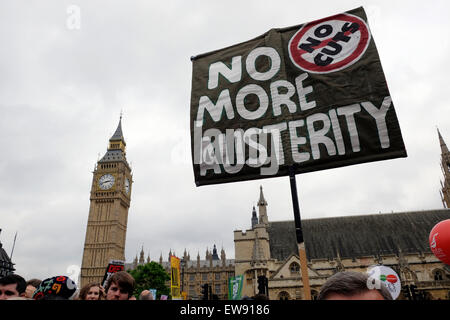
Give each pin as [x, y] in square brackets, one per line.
[235, 288]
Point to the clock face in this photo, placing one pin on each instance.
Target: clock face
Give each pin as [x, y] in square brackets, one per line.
[127, 186]
[106, 181]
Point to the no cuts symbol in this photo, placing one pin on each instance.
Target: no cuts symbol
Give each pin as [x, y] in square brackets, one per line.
[329, 44]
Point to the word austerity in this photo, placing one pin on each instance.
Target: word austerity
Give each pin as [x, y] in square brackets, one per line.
[226, 150]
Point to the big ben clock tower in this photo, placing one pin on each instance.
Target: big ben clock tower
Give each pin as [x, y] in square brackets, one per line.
[108, 213]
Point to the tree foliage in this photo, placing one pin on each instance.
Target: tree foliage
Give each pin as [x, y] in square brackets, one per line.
[151, 276]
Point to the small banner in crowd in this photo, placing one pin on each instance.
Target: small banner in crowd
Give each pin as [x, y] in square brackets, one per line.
[382, 275]
[309, 97]
[60, 286]
[153, 293]
[235, 287]
[113, 267]
[175, 278]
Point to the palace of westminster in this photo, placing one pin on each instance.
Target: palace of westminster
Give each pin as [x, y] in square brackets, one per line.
[397, 240]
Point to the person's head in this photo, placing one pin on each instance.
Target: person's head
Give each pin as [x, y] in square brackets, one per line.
[146, 295]
[32, 285]
[349, 285]
[120, 286]
[61, 286]
[12, 285]
[91, 291]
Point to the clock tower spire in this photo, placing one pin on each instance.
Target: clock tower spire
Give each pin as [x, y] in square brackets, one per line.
[108, 211]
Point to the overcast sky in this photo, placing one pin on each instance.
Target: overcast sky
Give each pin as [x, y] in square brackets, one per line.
[62, 91]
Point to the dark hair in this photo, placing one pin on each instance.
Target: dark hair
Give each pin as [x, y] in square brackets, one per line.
[34, 282]
[20, 282]
[349, 283]
[85, 290]
[124, 280]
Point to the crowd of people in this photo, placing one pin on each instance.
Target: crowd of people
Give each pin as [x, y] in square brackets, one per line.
[120, 286]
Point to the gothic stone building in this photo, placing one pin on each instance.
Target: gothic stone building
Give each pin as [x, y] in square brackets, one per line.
[214, 270]
[397, 240]
[353, 243]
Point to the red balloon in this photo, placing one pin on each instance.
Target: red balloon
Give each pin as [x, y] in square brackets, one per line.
[440, 241]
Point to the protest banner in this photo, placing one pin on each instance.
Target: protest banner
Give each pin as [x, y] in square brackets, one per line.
[294, 100]
[153, 293]
[113, 267]
[308, 97]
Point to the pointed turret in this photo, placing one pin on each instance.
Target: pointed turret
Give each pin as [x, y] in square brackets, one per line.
[116, 148]
[254, 218]
[262, 204]
[135, 262]
[262, 201]
[444, 148]
[215, 256]
[223, 257]
[445, 166]
[118, 134]
[141, 256]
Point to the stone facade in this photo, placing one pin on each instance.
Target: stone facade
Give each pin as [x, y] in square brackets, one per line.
[353, 243]
[213, 270]
[108, 211]
[397, 240]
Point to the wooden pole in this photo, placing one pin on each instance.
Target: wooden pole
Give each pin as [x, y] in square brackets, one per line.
[299, 235]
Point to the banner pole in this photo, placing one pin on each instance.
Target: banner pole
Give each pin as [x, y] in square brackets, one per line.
[299, 235]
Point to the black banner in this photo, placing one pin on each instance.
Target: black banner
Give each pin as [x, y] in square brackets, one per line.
[311, 97]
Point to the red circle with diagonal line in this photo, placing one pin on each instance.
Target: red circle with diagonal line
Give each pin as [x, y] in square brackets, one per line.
[391, 278]
[347, 38]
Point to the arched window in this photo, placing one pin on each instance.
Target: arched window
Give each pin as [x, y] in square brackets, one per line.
[294, 268]
[438, 275]
[283, 295]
